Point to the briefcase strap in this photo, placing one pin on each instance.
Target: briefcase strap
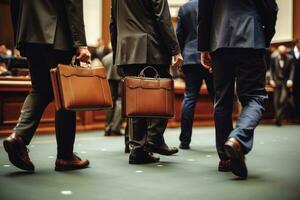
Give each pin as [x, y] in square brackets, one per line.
[142, 73]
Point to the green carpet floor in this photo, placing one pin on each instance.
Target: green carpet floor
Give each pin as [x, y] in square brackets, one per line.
[274, 170]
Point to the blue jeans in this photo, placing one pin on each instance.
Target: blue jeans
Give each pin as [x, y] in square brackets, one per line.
[194, 76]
[246, 69]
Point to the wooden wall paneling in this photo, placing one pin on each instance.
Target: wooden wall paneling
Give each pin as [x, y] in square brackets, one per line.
[6, 33]
[106, 7]
[296, 19]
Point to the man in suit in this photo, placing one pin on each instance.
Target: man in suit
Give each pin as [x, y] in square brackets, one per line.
[100, 51]
[114, 115]
[296, 83]
[282, 75]
[194, 74]
[48, 33]
[142, 35]
[232, 37]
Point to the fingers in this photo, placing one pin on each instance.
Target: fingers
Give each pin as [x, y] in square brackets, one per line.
[206, 60]
[84, 55]
[178, 64]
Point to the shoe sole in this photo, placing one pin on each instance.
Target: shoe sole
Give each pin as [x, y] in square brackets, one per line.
[142, 162]
[10, 148]
[149, 149]
[238, 165]
[62, 169]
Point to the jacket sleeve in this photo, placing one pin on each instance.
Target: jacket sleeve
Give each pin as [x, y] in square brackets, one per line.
[205, 11]
[292, 70]
[74, 11]
[113, 30]
[268, 10]
[15, 8]
[163, 18]
[180, 29]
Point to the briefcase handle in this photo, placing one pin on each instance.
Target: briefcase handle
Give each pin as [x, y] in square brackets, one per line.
[76, 62]
[142, 73]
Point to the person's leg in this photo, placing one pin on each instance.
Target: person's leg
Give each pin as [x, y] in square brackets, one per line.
[137, 129]
[223, 80]
[251, 70]
[155, 141]
[65, 126]
[250, 81]
[193, 82]
[126, 137]
[296, 95]
[283, 102]
[40, 95]
[33, 107]
[65, 121]
[209, 83]
[276, 104]
[117, 119]
[157, 126]
[110, 112]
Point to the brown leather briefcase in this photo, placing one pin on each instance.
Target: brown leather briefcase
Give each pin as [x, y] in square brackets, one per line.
[148, 97]
[80, 88]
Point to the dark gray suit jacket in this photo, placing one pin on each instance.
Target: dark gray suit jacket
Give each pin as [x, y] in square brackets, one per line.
[297, 71]
[282, 74]
[142, 32]
[231, 24]
[186, 31]
[55, 22]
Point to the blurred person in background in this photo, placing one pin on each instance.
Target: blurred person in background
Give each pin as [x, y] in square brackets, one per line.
[296, 83]
[193, 71]
[282, 75]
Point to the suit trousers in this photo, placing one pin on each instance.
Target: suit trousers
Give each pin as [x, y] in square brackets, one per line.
[143, 130]
[194, 76]
[114, 115]
[41, 58]
[280, 99]
[296, 95]
[245, 69]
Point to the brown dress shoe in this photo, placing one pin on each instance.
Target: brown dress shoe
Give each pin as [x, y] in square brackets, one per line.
[224, 166]
[161, 149]
[17, 152]
[71, 164]
[234, 151]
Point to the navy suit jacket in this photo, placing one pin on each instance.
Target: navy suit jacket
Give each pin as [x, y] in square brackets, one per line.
[235, 24]
[186, 31]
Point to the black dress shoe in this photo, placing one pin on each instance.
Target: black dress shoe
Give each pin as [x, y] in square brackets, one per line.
[224, 166]
[71, 164]
[161, 149]
[142, 157]
[234, 151]
[17, 152]
[184, 146]
[127, 149]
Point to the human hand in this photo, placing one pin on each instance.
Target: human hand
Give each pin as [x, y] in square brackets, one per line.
[289, 83]
[205, 59]
[272, 83]
[84, 55]
[178, 61]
